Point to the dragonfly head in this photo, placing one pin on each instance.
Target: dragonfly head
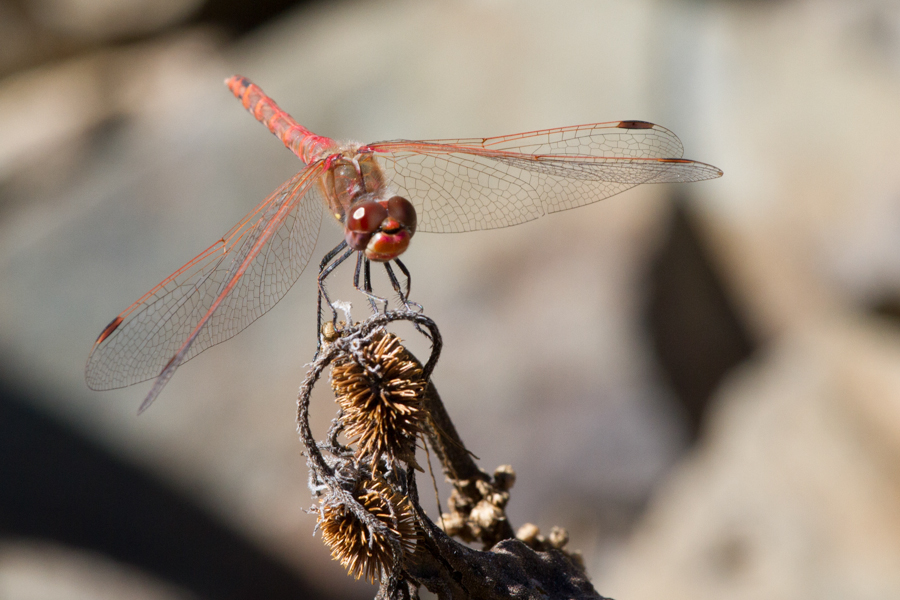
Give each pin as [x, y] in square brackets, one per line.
[381, 228]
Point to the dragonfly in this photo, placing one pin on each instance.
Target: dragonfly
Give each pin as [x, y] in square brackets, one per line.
[381, 193]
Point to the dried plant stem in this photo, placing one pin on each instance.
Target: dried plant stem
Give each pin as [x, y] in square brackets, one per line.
[378, 488]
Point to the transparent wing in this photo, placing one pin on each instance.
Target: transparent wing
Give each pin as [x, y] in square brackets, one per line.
[485, 183]
[217, 294]
[624, 139]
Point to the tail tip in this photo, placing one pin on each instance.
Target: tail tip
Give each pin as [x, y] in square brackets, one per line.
[237, 84]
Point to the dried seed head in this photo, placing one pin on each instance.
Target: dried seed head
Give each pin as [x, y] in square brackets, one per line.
[556, 540]
[529, 534]
[329, 332]
[485, 515]
[380, 394]
[362, 551]
[504, 477]
[558, 537]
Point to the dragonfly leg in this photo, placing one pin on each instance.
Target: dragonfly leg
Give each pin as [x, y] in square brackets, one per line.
[363, 264]
[406, 274]
[325, 270]
[325, 273]
[395, 283]
[368, 277]
[404, 296]
[409, 304]
[367, 282]
[356, 272]
[331, 254]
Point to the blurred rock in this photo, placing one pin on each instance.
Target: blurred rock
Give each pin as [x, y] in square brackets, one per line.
[38, 571]
[49, 111]
[793, 494]
[547, 365]
[108, 19]
[698, 333]
[18, 41]
[799, 107]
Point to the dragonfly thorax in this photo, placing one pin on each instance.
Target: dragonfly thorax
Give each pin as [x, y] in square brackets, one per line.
[375, 221]
[347, 177]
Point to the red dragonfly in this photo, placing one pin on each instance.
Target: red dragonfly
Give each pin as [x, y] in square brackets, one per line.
[381, 193]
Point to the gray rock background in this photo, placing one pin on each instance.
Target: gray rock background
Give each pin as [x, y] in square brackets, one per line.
[122, 156]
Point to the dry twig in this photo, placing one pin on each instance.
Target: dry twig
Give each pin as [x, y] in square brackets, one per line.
[369, 510]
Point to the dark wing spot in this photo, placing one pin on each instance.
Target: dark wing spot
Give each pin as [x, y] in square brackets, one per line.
[635, 125]
[109, 329]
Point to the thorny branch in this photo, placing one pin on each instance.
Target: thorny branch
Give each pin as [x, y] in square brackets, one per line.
[369, 511]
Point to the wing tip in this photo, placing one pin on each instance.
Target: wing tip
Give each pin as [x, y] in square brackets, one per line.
[161, 380]
[238, 84]
[706, 171]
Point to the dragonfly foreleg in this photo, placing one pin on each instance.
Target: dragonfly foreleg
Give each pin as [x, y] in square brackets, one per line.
[367, 281]
[325, 270]
[331, 254]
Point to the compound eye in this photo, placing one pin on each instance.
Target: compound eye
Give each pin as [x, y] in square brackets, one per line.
[402, 211]
[364, 219]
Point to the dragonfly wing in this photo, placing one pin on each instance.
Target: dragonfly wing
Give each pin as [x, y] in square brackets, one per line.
[465, 185]
[216, 295]
[455, 191]
[621, 139]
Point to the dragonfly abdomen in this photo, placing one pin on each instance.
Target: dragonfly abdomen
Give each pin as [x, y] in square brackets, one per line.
[308, 146]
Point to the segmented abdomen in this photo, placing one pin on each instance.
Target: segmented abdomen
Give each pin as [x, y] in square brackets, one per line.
[299, 140]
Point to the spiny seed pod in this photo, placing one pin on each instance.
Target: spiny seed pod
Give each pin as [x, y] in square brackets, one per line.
[381, 399]
[361, 551]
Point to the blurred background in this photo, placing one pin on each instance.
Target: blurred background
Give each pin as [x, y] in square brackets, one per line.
[701, 382]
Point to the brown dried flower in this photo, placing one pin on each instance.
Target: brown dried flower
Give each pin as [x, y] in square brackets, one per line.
[362, 551]
[380, 394]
